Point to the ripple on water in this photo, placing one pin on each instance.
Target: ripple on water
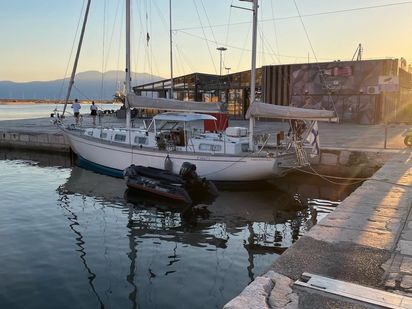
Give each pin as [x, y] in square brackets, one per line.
[68, 238]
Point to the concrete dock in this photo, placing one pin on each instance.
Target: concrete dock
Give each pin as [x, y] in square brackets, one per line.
[332, 135]
[367, 240]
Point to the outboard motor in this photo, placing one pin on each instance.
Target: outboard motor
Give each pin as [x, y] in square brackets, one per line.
[188, 170]
[131, 171]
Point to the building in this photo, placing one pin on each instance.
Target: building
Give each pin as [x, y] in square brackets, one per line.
[363, 91]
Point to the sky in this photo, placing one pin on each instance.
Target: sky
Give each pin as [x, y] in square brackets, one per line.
[38, 38]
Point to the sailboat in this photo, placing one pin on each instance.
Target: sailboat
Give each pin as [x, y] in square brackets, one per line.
[178, 135]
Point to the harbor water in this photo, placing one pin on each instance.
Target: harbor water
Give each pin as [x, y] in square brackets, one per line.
[70, 238]
[30, 111]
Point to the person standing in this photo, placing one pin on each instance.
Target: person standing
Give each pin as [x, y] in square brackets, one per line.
[93, 112]
[76, 110]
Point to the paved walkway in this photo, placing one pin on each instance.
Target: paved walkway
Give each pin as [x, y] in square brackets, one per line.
[332, 135]
[367, 240]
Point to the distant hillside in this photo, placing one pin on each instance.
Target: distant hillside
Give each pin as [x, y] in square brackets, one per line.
[86, 85]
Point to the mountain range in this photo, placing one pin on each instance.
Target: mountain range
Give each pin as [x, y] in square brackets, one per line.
[87, 85]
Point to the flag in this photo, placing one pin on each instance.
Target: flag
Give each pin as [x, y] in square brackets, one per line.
[313, 140]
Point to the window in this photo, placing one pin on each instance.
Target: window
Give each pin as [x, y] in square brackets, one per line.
[103, 134]
[210, 147]
[245, 147]
[140, 140]
[120, 137]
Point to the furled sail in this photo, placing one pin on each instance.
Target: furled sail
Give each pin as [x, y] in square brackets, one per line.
[265, 110]
[142, 102]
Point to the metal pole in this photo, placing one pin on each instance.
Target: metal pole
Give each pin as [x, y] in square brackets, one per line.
[128, 75]
[385, 110]
[171, 49]
[76, 60]
[220, 67]
[221, 50]
[253, 73]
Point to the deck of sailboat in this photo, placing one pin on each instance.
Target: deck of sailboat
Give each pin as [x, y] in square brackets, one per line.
[79, 133]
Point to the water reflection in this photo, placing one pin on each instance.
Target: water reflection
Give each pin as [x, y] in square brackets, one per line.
[80, 243]
[38, 158]
[117, 251]
[274, 217]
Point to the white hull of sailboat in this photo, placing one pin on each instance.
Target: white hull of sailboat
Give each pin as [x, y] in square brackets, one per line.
[214, 167]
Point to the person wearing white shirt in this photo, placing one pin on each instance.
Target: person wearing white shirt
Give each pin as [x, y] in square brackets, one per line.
[76, 110]
[93, 112]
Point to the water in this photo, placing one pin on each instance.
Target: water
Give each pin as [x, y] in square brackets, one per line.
[69, 239]
[30, 111]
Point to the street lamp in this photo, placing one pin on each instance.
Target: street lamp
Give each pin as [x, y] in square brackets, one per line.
[221, 49]
[228, 70]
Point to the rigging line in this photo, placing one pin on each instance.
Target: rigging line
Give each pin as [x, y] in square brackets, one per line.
[205, 38]
[154, 63]
[161, 16]
[139, 37]
[306, 32]
[119, 45]
[148, 49]
[208, 21]
[178, 61]
[248, 50]
[321, 75]
[81, 93]
[246, 41]
[228, 23]
[71, 50]
[103, 48]
[310, 15]
[326, 178]
[273, 54]
[354, 179]
[285, 77]
[214, 38]
[152, 59]
[112, 34]
[260, 29]
[275, 30]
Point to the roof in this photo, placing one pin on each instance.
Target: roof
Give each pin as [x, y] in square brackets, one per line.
[186, 117]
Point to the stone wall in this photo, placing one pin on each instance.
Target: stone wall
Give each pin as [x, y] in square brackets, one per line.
[349, 163]
[34, 141]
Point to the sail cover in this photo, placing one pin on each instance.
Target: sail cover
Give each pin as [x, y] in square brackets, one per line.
[142, 102]
[265, 110]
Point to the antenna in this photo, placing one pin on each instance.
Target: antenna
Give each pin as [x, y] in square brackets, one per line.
[358, 53]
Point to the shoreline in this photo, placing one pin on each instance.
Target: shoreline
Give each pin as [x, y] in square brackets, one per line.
[46, 102]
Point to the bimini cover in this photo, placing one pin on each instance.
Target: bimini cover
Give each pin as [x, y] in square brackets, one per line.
[186, 117]
[141, 102]
[265, 110]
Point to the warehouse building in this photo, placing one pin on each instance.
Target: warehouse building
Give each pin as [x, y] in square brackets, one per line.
[362, 91]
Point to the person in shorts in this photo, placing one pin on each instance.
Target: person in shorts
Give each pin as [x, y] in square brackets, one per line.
[76, 110]
[93, 112]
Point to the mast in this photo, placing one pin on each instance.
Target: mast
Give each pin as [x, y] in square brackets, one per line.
[253, 72]
[76, 60]
[128, 75]
[171, 50]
